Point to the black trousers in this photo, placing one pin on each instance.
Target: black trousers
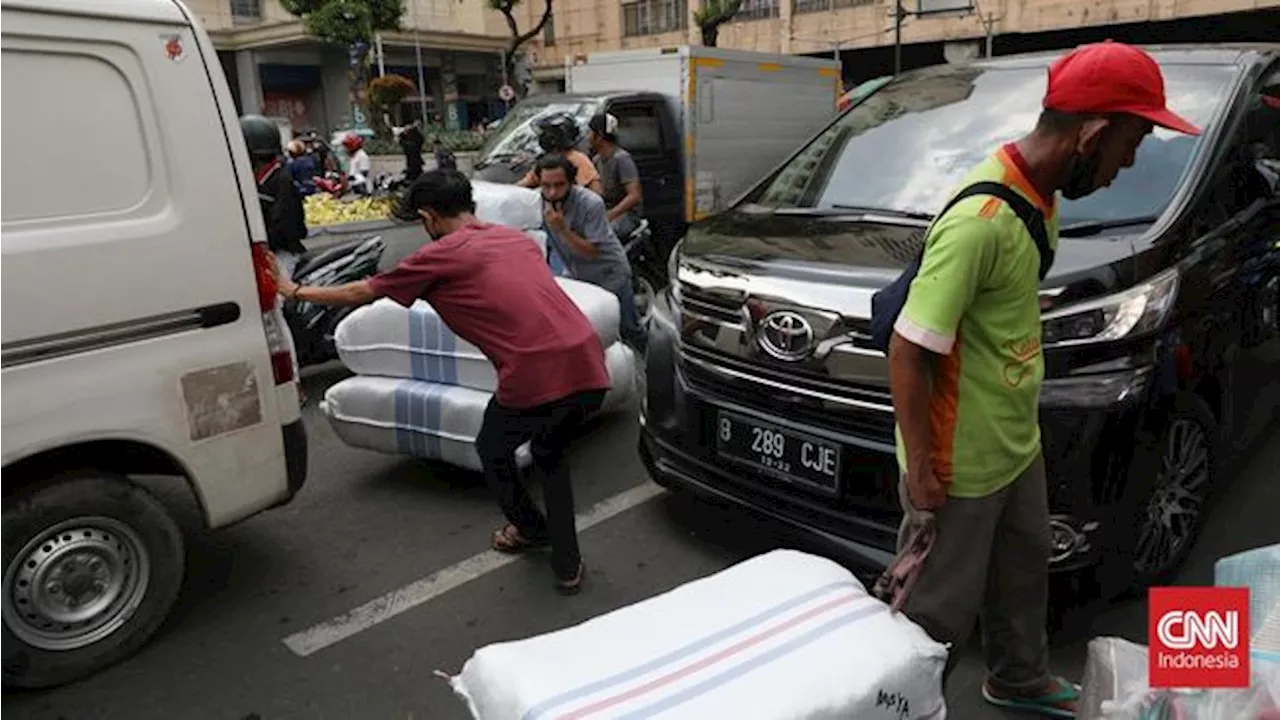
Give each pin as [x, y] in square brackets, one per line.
[549, 429]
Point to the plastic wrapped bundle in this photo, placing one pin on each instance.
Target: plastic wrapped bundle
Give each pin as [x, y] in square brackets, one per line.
[509, 205]
[436, 421]
[784, 635]
[1259, 570]
[389, 340]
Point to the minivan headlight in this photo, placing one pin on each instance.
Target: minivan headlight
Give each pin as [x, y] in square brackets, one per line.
[1135, 311]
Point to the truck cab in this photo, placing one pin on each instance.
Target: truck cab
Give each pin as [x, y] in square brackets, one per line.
[647, 128]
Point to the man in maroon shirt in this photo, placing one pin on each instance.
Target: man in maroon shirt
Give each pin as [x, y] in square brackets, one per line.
[492, 287]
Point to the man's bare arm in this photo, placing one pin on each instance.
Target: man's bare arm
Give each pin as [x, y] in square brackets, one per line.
[355, 293]
[910, 384]
[630, 200]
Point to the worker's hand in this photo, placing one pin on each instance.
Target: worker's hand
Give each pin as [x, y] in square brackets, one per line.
[555, 218]
[286, 286]
[924, 489]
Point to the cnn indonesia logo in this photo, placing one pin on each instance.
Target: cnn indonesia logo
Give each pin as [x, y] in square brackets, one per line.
[1199, 637]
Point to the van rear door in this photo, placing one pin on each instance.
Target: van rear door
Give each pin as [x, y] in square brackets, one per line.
[130, 298]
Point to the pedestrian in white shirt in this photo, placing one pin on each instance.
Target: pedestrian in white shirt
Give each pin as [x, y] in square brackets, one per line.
[360, 167]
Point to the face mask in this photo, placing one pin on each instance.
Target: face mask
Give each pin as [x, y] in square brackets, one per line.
[1080, 175]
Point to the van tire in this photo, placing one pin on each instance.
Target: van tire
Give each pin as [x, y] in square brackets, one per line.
[122, 539]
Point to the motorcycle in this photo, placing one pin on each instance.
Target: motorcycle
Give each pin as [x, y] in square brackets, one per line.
[648, 268]
[313, 325]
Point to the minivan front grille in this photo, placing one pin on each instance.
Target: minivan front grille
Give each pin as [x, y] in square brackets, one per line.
[864, 413]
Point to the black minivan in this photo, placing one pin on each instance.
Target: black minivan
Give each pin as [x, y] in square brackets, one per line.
[1159, 315]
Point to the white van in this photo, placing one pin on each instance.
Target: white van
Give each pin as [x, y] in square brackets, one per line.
[140, 335]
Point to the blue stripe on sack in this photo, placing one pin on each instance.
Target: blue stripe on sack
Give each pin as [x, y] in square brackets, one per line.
[404, 436]
[758, 661]
[434, 402]
[432, 348]
[448, 358]
[690, 649]
[417, 370]
[425, 412]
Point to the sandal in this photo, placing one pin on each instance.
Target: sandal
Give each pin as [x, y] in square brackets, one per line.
[1058, 699]
[572, 585]
[508, 539]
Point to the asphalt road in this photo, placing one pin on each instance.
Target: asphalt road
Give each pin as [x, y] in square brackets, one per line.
[367, 524]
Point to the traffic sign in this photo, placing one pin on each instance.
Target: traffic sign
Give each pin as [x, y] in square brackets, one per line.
[507, 93]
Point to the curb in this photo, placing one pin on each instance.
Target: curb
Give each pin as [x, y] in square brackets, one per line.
[362, 226]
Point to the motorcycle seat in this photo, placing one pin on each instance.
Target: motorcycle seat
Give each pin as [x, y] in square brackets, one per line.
[311, 261]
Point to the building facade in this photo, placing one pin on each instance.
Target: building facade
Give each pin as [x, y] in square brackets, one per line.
[863, 33]
[276, 69]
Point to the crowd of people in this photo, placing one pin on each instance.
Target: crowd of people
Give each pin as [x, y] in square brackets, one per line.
[969, 442]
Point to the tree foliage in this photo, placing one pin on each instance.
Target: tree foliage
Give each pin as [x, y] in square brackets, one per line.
[388, 91]
[712, 15]
[346, 22]
[518, 39]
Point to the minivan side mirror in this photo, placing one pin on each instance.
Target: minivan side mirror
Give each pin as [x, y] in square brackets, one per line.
[1267, 173]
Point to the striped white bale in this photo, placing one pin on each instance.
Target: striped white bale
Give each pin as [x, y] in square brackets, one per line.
[782, 636]
[436, 421]
[390, 340]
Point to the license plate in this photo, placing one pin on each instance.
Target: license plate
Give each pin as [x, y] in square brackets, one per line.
[778, 451]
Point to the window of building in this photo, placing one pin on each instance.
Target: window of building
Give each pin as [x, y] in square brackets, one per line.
[811, 6]
[246, 11]
[758, 10]
[652, 17]
[549, 31]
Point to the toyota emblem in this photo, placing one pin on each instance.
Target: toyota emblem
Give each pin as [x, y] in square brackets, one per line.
[786, 335]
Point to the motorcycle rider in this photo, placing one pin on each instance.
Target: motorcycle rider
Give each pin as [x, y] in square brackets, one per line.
[360, 166]
[580, 234]
[303, 168]
[558, 134]
[619, 176]
[282, 209]
[281, 204]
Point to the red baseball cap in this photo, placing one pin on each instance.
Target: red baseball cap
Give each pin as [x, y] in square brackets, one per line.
[1112, 77]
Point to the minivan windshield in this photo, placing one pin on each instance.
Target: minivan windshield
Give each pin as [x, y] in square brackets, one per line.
[911, 142]
[516, 136]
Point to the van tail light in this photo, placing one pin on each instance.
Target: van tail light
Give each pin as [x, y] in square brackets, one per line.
[264, 274]
[282, 361]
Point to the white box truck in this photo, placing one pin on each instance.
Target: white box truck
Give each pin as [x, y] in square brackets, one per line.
[703, 124]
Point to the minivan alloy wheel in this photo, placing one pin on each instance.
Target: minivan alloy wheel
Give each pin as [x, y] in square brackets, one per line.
[76, 583]
[1177, 500]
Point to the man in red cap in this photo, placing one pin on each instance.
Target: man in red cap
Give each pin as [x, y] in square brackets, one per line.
[969, 435]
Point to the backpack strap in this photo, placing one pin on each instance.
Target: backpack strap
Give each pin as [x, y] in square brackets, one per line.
[1031, 217]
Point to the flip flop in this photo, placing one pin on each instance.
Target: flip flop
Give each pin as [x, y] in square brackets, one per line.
[1048, 705]
[573, 585]
[508, 539]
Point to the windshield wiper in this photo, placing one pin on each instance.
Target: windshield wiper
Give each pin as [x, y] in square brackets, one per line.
[912, 215]
[1093, 227]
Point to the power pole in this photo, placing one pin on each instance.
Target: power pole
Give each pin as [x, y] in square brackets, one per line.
[989, 24]
[898, 16]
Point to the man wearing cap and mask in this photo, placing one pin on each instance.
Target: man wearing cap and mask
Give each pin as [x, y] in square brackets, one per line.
[969, 436]
[619, 177]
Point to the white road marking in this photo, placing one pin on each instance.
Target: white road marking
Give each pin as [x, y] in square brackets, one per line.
[378, 610]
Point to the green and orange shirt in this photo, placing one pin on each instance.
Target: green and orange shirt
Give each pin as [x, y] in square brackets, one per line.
[975, 302]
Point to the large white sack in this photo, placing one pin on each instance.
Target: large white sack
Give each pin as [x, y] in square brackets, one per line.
[509, 205]
[784, 635]
[434, 421]
[390, 340]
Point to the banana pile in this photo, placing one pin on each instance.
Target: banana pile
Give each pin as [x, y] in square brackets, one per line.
[324, 209]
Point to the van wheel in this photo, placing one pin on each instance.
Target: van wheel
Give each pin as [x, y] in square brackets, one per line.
[1159, 516]
[92, 565]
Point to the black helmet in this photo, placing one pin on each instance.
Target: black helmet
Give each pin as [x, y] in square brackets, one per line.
[557, 132]
[262, 136]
